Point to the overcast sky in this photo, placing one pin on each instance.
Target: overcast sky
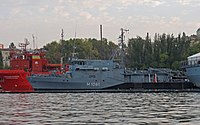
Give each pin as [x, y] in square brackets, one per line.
[20, 19]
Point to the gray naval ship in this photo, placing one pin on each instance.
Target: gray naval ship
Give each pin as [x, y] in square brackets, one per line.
[97, 75]
[192, 68]
[85, 74]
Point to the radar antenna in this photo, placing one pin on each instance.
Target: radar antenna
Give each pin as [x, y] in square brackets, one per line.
[24, 45]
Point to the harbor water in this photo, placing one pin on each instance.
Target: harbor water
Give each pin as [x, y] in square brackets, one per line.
[100, 108]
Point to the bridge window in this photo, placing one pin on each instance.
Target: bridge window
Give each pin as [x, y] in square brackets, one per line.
[79, 62]
[92, 76]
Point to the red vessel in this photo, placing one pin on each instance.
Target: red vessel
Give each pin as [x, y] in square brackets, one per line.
[24, 63]
[14, 81]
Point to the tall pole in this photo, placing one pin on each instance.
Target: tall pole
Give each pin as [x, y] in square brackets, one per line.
[61, 51]
[74, 44]
[36, 41]
[101, 38]
[33, 41]
[122, 45]
[62, 35]
[101, 33]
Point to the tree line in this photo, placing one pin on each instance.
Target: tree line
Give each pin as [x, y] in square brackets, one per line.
[79, 48]
[164, 50]
[160, 51]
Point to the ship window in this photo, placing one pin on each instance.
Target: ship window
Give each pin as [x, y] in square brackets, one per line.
[92, 76]
[82, 63]
[78, 62]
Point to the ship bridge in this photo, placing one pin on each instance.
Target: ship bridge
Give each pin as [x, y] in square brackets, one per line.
[84, 64]
[192, 60]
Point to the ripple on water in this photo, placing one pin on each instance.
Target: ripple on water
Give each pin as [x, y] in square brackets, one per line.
[100, 108]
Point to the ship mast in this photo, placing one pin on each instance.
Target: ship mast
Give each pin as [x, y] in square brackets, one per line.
[24, 45]
[62, 35]
[74, 44]
[33, 41]
[122, 38]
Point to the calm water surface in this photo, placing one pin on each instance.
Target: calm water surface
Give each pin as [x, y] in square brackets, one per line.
[100, 108]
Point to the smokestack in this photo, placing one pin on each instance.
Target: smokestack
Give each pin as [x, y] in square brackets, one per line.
[101, 32]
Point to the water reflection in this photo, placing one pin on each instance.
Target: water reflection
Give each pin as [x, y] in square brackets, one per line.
[100, 108]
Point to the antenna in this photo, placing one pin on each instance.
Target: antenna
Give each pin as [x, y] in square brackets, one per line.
[36, 39]
[74, 46]
[62, 35]
[61, 50]
[75, 31]
[33, 41]
[23, 45]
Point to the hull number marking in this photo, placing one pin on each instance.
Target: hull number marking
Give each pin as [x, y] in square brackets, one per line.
[93, 84]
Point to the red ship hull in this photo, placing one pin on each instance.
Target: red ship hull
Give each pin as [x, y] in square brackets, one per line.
[14, 81]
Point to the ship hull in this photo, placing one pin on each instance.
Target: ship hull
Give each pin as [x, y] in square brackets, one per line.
[15, 81]
[20, 81]
[80, 81]
[193, 74]
[86, 81]
[114, 80]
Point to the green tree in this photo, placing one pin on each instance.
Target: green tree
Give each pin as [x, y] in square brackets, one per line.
[53, 52]
[12, 46]
[84, 49]
[1, 60]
